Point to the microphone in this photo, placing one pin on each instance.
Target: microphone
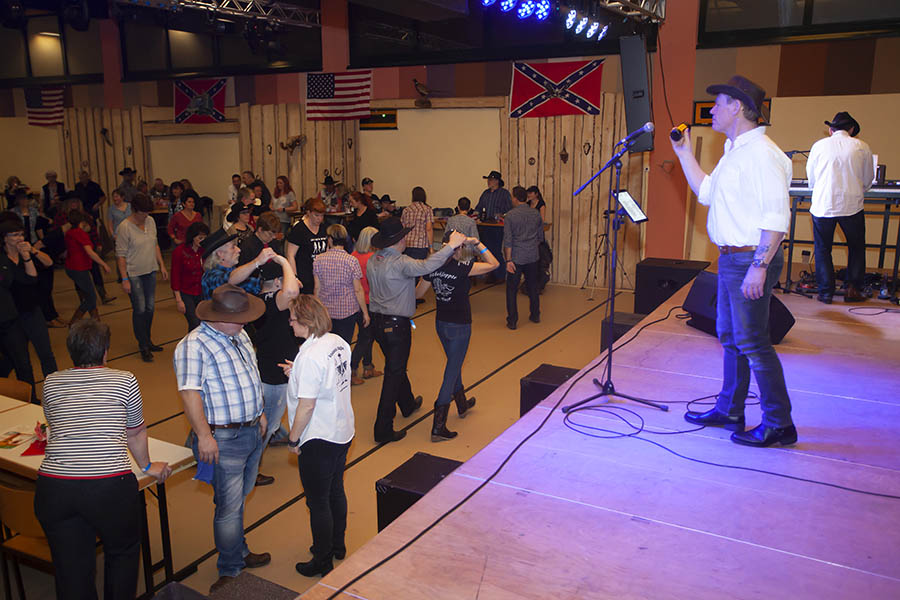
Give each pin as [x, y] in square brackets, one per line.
[627, 140]
[678, 132]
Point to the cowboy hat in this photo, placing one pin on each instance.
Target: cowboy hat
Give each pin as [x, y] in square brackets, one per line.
[231, 304]
[127, 171]
[214, 241]
[389, 233]
[236, 209]
[844, 122]
[386, 198]
[495, 175]
[744, 90]
[329, 180]
[367, 180]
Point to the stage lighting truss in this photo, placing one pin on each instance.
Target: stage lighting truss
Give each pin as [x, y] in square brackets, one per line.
[575, 11]
[270, 12]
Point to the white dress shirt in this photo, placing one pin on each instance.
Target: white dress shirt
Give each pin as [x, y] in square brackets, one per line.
[322, 371]
[747, 191]
[840, 170]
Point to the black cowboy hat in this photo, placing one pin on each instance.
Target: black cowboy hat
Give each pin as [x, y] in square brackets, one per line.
[329, 180]
[127, 171]
[214, 241]
[236, 209]
[744, 90]
[389, 233]
[231, 304]
[844, 122]
[495, 175]
[367, 180]
[386, 198]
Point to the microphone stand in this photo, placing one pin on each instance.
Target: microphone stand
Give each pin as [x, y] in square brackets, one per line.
[607, 388]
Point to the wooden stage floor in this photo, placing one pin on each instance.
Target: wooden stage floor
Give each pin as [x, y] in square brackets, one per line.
[572, 516]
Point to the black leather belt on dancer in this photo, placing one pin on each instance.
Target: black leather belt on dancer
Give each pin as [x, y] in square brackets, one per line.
[393, 318]
[735, 249]
[235, 425]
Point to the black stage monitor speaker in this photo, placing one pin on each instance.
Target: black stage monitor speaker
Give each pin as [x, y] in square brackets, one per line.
[701, 304]
[636, 84]
[407, 483]
[540, 383]
[656, 279]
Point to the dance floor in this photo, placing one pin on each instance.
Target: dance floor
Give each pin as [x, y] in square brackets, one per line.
[576, 516]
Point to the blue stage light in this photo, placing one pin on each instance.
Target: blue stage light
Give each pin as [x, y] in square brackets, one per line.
[581, 25]
[542, 12]
[603, 32]
[487, 2]
[526, 9]
[508, 5]
[592, 29]
[570, 20]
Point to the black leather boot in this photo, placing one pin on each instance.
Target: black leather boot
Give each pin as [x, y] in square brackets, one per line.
[315, 567]
[439, 431]
[462, 403]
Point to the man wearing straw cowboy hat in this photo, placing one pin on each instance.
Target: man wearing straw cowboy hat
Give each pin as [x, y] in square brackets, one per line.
[219, 383]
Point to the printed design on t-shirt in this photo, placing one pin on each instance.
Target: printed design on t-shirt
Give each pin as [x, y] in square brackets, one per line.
[319, 245]
[443, 284]
[342, 366]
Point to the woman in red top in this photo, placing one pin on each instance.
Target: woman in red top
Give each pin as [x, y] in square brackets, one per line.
[183, 219]
[363, 349]
[187, 271]
[80, 255]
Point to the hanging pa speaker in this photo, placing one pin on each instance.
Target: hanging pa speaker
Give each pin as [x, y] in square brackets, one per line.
[636, 85]
[701, 304]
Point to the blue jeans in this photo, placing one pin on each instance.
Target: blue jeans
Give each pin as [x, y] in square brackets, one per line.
[143, 298]
[455, 340]
[743, 329]
[85, 287]
[275, 399]
[233, 480]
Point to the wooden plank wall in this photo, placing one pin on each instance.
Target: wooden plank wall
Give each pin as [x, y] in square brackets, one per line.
[86, 148]
[331, 147]
[530, 155]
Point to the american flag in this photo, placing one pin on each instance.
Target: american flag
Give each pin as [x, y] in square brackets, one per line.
[335, 96]
[44, 106]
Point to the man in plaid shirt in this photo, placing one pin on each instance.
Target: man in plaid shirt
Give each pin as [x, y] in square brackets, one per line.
[419, 216]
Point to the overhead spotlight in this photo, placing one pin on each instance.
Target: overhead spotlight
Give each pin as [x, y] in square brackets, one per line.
[76, 14]
[603, 32]
[508, 5]
[542, 11]
[581, 25]
[592, 29]
[526, 9]
[570, 19]
[487, 2]
[12, 14]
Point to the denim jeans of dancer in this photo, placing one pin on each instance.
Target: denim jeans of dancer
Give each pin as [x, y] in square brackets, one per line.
[85, 287]
[344, 327]
[854, 228]
[743, 328]
[143, 299]
[74, 513]
[321, 466]
[455, 340]
[275, 399]
[362, 351]
[394, 336]
[532, 284]
[233, 480]
[35, 328]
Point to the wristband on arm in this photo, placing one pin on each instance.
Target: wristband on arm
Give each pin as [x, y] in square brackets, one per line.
[147, 468]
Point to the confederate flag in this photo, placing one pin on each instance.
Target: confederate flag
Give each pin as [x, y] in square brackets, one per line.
[200, 101]
[556, 88]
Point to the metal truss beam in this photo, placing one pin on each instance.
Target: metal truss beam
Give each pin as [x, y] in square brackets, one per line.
[654, 10]
[271, 12]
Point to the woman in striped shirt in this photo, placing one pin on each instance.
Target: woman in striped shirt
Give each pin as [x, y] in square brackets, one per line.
[86, 487]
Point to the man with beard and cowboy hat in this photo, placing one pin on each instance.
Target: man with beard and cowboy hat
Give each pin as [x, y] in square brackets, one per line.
[127, 188]
[494, 202]
[219, 383]
[328, 195]
[747, 195]
[392, 302]
[840, 170]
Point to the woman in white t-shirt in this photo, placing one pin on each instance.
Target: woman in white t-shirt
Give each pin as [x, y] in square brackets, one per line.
[322, 427]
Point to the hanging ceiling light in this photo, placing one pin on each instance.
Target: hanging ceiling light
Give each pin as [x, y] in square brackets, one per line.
[542, 11]
[570, 19]
[508, 5]
[487, 2]
[526, 9]
[593, 29]
[603, 32]
[581, 25]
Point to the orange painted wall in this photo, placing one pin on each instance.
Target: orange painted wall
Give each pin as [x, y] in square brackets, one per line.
[112, 64]
[667, 187]
[335, 37]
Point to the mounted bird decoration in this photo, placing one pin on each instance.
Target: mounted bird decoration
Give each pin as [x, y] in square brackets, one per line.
[293, 143]
[424, 100]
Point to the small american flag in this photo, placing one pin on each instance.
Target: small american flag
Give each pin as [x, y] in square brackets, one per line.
[44, 106]
[335, 96]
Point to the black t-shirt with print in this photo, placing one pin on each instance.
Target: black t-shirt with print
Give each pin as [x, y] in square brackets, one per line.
[275, 341]
[309, 245]
[451, 291]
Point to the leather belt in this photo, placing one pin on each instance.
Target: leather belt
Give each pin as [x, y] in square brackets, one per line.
[389, 317]
[735, 249]
[235, 425]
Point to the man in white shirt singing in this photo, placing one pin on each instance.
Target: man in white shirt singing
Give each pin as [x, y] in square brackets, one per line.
[840, 170]
[747, 195]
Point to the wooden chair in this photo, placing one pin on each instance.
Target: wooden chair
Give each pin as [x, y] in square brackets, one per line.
[13, 388]
[23, 538]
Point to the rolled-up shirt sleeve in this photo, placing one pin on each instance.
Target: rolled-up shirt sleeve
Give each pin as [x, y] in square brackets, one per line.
[772, 181]
[188, 365]
[705, 197]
